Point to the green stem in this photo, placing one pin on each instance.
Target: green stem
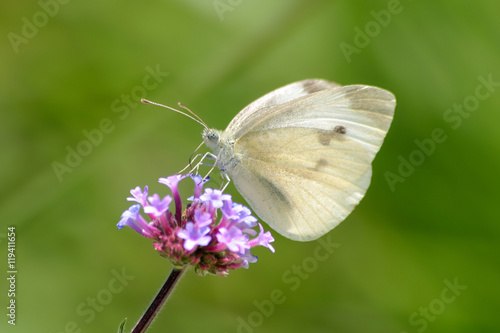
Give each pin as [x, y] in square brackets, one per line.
[159, 300]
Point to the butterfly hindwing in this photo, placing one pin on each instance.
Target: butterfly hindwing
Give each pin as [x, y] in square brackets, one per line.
[302, 181]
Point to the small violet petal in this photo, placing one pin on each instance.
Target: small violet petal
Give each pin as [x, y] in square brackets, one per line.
[202, 219]
[199, 181]
[139, 196]
[157, 207]
[133, 219]
[245, 215]
[229, 209]
[215, 197]
[239, 214]
[172, 181]
[234, 239]
[194, 236]
[248, 258]
[263, 239]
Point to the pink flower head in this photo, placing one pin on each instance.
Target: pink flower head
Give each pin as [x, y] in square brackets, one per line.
[200, 236]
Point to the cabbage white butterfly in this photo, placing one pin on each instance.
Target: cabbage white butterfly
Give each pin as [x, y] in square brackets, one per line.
[301, 155]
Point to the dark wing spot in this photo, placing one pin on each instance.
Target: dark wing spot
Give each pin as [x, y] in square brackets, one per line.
[311, 86]
[320, 165]
[324, 137]
[340, 129]
[275, 191]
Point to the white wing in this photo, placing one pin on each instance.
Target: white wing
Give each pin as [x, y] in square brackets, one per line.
[246, 117]
[306, 163]
[364, 111]
[301, 181]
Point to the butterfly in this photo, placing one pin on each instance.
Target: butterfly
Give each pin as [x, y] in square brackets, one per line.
[301, 155]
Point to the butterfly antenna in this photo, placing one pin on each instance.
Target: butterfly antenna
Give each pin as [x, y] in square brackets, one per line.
[194, 114]
[197, 119]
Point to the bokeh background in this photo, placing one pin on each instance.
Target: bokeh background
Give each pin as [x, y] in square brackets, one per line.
[419, 254]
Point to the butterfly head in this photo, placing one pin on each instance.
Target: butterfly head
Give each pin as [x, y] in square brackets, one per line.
[211, 137]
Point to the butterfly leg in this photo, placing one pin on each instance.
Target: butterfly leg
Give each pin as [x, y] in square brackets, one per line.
[213, 165]
[198, 164]
[225, 176]
[187, 166]
[191, 159]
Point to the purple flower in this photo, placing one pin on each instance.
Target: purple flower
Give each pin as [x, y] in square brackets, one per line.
[194, 236]
[248, 258]
[139, 196]
[234, 239]
[133, 219]
[214, 197]
[202, 219]
[157, 207]
[238, 213]
[263, 239]
[239, 216]
[211, 241]
[229, 211]
[172, 182]
[245, 216]
[199, 181]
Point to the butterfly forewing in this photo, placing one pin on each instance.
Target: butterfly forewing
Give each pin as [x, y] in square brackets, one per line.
[265, 105]
[365, 112]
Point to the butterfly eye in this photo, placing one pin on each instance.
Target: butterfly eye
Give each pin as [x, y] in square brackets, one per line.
[212, 136]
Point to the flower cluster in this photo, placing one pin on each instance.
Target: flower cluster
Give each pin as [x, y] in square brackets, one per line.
[197, 236]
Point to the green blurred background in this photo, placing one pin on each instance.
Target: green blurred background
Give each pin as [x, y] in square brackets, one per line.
[398, 252]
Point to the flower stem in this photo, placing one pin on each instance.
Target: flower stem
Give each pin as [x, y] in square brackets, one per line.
[159, 300]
